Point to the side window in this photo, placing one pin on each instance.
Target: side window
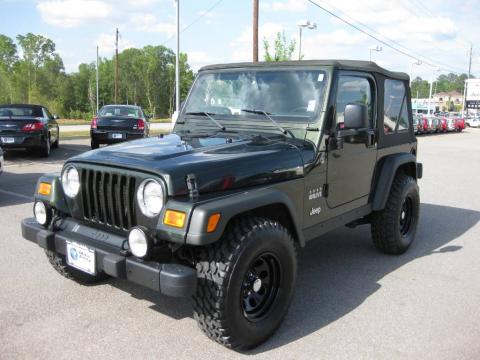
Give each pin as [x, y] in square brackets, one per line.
[353, 89]
[47, 114]
[395, 110]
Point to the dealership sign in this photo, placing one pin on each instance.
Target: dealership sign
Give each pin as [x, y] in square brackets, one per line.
[473, 94]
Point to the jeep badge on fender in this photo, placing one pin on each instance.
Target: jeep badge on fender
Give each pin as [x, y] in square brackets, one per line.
[263, 158]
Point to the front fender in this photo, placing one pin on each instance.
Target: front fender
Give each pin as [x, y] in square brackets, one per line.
[56, 199]
[231, 206]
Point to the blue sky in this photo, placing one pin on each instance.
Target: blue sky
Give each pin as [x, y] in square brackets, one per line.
[438, 30]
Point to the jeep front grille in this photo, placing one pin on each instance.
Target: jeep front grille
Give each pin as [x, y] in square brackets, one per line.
[108, 198]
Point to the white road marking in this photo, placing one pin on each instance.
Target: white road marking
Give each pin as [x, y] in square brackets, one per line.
[16, 194]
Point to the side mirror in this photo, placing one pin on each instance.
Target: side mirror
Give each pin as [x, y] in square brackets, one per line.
[55, 117]
[149, 116]
[355, 116]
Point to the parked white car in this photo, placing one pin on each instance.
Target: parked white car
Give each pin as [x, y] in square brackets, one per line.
[473, 122]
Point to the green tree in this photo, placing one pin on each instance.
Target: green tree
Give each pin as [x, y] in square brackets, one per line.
[8, 59]
[283, 49]
[420, 88]
[36, 50]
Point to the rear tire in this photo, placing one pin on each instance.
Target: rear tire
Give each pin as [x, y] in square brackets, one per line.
[59, 263]
[94, 145]
[245, 283]
[46, 148]
[56, 144]
[394, 228]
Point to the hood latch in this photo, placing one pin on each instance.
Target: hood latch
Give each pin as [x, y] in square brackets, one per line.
[192, 187]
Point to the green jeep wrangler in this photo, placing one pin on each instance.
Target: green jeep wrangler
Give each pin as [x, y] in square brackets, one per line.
[263, 158]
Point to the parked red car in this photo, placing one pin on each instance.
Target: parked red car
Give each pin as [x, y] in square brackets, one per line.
[459, 124]
[458, 121]
[444, 125]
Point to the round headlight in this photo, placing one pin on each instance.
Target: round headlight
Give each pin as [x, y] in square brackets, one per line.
[150, 197]
[71, 181]
[138, 242]
[43, 215]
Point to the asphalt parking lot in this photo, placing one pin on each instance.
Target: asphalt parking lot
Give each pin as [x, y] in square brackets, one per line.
[351, 302]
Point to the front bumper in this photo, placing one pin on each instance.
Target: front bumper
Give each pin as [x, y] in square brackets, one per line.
[167, 278]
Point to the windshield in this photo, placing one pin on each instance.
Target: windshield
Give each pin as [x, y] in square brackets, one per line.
[287, 95]
[21, 111]
[127, 111]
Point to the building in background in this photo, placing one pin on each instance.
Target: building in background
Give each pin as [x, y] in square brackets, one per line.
[442, 101]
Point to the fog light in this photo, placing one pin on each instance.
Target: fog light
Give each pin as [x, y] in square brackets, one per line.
[43, 214]
[139, 243]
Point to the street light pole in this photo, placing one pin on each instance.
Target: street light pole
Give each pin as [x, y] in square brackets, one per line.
[177, 66]
[96, 75]
[376, 48]
[431, 88]
[418, 62]
[300, 44]
[301, 25]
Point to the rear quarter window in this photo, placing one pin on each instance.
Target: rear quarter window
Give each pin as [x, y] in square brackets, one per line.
[395, 110]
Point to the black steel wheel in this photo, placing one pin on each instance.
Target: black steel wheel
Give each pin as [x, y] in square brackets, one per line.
[260, 286]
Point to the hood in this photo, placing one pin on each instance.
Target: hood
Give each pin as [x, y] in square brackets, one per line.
[218, 163]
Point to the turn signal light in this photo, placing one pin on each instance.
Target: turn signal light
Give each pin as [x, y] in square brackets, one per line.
[174, 218]
[213, 222]
[94, 123]
[44, 188]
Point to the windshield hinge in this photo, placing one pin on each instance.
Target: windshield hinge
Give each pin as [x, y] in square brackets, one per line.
[192, 187]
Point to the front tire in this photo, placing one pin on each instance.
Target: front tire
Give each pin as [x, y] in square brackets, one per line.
[394, 228]
[245, 283]
[59, 263]
[94, 145]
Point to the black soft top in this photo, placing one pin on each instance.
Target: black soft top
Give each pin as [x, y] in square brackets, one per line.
[353, 65]
[21, 105]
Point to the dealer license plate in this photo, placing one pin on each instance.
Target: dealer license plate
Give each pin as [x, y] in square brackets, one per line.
[117, 136]
[81, 257]
[8, 140]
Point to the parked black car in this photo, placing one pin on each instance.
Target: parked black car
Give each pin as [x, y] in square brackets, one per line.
[30, 127]
[117, 123]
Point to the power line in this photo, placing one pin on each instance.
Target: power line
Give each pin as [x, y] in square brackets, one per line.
[197, 19]
[408, 54]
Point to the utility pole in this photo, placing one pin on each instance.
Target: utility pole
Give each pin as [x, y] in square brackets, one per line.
[96, 75]
[177, 65]
[116, 68]
[255, 30]
[466, 82]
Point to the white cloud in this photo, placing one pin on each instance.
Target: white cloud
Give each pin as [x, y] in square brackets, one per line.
[71, 13]
[150, 23]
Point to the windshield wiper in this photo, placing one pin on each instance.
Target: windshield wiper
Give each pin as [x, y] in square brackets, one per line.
[209, 115]
[267, 115]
